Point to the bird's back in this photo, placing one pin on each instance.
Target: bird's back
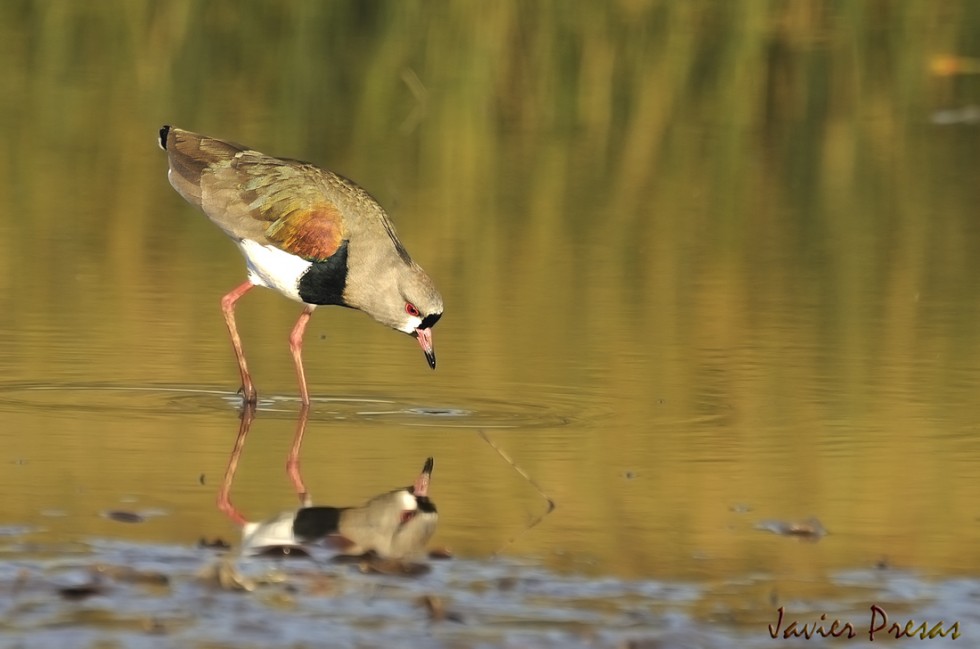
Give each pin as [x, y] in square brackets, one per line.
[290, 204]
[191, 155]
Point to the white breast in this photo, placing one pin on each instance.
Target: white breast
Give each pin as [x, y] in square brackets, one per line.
[274, 532]
[270, 267]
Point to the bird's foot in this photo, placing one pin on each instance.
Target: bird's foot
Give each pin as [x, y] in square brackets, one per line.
[249, 394]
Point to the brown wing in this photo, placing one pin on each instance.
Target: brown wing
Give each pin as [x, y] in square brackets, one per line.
[251, 195]
[289, 197]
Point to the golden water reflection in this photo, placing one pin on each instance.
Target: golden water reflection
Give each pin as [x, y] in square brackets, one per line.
[712, 261]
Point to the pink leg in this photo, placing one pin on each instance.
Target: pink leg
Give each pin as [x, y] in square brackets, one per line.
[228, 308]
[224, 495]
[292, 462]
[296, 347]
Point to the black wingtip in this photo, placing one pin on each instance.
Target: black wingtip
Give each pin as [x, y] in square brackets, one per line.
[429, 463]
[164, 132]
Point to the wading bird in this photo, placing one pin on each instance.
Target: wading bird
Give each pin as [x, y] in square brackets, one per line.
[310, 234]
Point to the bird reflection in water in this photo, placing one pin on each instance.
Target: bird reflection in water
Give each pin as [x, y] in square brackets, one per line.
[385, 534]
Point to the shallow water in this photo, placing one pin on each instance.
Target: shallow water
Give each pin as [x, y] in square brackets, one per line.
[148, 595]
[709, 271]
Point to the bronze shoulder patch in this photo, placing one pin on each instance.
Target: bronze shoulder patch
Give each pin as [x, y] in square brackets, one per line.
[314, 233]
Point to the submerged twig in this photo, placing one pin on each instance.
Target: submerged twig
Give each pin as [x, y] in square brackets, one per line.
[419, 93]
[524, 474]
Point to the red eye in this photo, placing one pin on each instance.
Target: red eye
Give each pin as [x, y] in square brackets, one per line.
[411, 310]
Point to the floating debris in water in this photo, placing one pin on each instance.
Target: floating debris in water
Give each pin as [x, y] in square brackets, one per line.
[551, 504]
[440, 554]
[507, 583]
[436, 609]
[81, 591]
[224, 574]
[811, 529]
[217, 544]
[96, 580]
[438, 412]
[130, 575]
[124, 517]
[81, 585]
[373, 565]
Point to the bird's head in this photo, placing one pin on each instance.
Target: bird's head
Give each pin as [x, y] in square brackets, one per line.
[418, 308]
[418, 516]
[414, 500]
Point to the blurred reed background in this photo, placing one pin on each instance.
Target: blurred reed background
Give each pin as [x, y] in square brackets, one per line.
[727, 239]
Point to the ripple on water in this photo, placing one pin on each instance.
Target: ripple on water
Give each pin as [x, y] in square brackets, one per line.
[157, 399]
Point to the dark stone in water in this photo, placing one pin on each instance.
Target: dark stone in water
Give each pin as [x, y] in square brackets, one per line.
[80, 591]
[217, 544]
[124, 517]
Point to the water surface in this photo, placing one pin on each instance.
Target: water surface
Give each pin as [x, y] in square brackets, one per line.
[706, 266]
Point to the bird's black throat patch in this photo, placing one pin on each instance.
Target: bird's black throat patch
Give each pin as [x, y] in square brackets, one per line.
[324, 282]
[313, 523]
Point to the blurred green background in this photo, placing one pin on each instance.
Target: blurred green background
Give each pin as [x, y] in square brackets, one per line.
[698, 258]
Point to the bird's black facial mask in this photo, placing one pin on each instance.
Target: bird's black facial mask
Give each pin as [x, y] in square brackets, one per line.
[430, 320]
